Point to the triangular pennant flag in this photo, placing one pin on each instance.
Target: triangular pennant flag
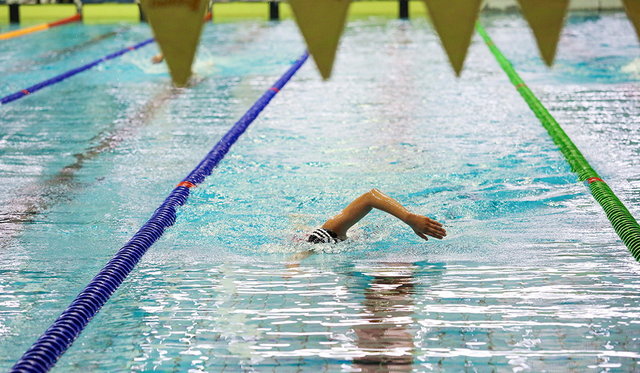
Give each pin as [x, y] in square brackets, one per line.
[321, 23]
[454, 21]
[177, 25]
[633, 12]
[546, 18]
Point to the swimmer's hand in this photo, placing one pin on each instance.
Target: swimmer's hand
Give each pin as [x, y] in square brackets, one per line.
[423, 226]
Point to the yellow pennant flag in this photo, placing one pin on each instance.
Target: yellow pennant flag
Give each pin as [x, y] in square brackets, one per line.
[454, 21]
[546, 18]
[177, 25]
[633, 12]
[321, 23]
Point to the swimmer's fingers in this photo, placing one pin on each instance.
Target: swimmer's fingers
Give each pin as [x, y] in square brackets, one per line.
[433, 222]
[432, 229]
[432, 234]
[438, 230]
[436, 226]
[423, 226]
[422, 235]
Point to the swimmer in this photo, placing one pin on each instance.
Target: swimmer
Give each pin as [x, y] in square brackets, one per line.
[157, 58]
[335, 229]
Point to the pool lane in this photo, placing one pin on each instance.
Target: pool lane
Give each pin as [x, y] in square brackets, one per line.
[531, 277]
[58, 139]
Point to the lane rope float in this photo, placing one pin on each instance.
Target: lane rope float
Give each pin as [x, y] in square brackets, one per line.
[44, 353]
[40, 27]
[621, 219]
[58, 78]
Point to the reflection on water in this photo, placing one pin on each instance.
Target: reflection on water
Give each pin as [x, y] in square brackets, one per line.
[384, 338]
[365, 316]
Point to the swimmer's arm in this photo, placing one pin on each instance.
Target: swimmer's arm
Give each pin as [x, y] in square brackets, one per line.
[295, 259]
[421, 225]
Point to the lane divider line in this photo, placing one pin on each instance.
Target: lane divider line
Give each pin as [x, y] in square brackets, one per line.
[46, 351]
[621, 219]
[40, 27]
[58, 78]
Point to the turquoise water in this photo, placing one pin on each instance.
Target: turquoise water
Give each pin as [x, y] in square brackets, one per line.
[531, 277]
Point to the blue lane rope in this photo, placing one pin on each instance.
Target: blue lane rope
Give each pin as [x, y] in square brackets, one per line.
[44, 353]
[57, 79]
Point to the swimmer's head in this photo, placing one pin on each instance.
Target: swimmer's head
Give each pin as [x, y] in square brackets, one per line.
[322, 235]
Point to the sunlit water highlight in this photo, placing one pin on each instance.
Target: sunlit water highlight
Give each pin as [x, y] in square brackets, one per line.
[531, 278]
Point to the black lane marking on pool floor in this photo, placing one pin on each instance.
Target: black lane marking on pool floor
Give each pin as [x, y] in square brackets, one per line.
[35, 199]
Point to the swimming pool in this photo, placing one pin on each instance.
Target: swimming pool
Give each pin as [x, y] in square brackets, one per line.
[531, 277]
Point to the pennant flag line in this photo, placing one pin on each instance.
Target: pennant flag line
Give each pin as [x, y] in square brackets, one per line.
[321, 23]
[176, 25]
[454, 21]
[546, 18]
[633, 12]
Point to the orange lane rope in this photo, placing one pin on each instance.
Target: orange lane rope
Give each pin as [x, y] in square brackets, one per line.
[41, 27]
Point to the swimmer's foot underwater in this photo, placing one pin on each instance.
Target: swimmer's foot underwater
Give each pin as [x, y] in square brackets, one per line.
[335, 229]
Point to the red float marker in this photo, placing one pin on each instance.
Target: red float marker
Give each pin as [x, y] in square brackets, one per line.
[187, 184]
[594, 179]
[74, 18]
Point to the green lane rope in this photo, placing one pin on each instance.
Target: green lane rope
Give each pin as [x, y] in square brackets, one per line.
[623, 222]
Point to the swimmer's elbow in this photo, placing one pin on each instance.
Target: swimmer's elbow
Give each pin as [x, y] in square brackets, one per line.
[370, 197]
[374, 193]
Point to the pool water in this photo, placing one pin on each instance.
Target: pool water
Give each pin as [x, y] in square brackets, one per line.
[531, 277]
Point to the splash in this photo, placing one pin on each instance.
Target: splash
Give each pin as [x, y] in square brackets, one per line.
[632, 68]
